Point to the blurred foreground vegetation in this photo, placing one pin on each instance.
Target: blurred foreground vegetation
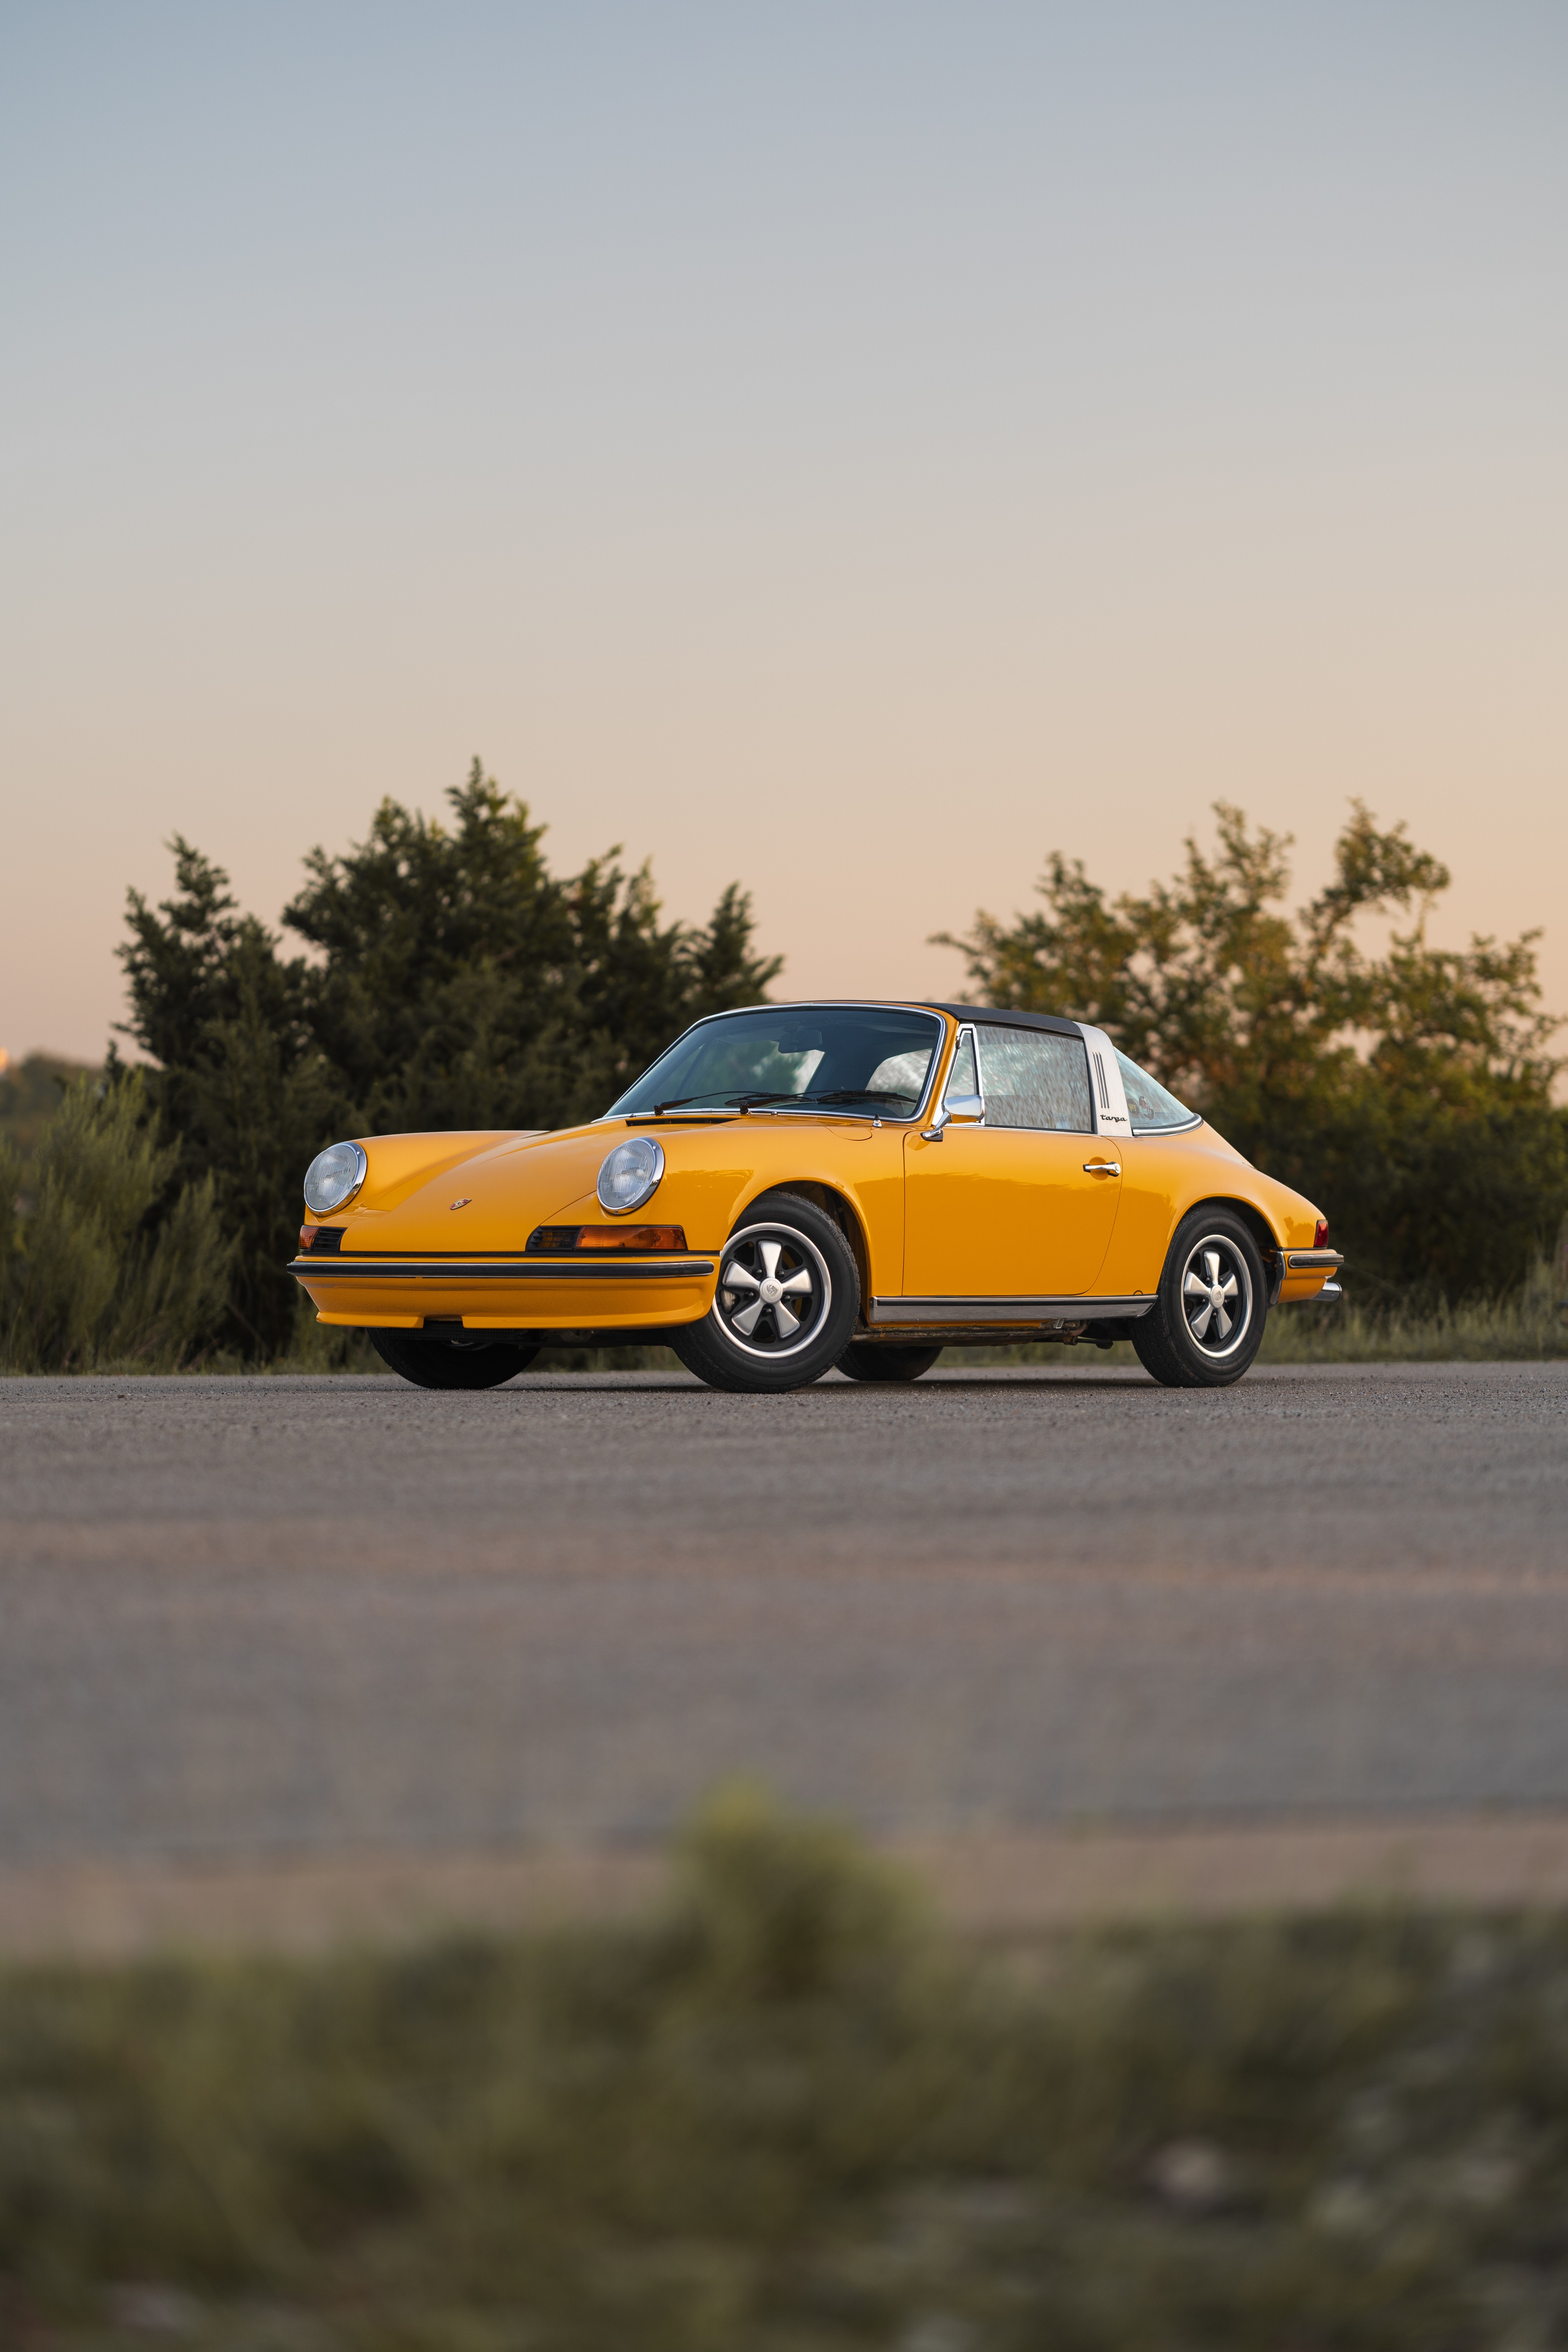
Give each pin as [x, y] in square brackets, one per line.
[787, 2115]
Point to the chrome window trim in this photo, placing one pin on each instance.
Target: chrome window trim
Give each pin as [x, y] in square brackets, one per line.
[965, 1029]
[1185, 1128]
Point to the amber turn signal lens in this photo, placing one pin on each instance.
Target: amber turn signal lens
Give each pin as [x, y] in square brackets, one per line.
[1320, 1238]
[631, 1237]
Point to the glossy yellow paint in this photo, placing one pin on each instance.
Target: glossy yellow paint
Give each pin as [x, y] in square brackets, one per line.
[507, 1184]
[714, 1168]
[496, 1304]
[998, 1212]
[986, 1213]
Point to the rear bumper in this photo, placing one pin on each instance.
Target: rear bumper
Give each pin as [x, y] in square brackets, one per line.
[507, 1294]
[1300, 1274]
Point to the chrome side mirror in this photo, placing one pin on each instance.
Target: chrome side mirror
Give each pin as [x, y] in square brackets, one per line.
[956, 1106]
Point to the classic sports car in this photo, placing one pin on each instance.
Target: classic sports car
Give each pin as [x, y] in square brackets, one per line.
[803, 1185]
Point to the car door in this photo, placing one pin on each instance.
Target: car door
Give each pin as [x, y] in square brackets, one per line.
[1015, 1195]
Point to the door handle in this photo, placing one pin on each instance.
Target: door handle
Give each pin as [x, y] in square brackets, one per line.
[1103, 1167]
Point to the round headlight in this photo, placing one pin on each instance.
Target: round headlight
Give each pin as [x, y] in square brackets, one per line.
[333, 1177]
[630, 1173]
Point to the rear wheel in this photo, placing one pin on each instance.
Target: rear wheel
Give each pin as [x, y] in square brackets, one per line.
[865, 1360]
[786, 1303]
[1207, 1322]
[476, 1363]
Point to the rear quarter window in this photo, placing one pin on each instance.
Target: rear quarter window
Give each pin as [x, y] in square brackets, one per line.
[1150, 1106]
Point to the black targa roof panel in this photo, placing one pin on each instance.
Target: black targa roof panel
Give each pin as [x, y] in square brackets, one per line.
[1006, 1020]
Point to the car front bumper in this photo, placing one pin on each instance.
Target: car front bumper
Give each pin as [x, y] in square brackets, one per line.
[536, 1294]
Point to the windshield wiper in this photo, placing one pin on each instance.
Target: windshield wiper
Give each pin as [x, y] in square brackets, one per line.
[831, 1094]
[860, 1094]
[736, 1102]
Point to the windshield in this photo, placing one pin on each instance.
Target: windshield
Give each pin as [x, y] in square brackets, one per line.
[864, 1058]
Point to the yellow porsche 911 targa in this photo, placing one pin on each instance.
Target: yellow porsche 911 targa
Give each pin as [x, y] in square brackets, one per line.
[800, 1186]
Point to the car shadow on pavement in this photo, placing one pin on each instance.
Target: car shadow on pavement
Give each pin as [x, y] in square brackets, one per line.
[830, 1384]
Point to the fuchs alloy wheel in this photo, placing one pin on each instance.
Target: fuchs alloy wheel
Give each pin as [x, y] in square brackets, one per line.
[451, 1363]
[1206, 1324]
[786, 1302]
[868, 1360]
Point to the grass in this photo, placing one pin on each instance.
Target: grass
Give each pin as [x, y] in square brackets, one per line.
[1529, 1327]
[787, 2115]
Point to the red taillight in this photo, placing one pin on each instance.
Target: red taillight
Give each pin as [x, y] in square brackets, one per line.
[631, 1237]
[1320, 1238]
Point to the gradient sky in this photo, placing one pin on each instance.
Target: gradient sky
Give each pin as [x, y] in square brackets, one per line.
[853, 448]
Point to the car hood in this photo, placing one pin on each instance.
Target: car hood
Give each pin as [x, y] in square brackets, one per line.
[476, 1192]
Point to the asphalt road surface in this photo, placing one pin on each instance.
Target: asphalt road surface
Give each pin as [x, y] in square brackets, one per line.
[285, 1617]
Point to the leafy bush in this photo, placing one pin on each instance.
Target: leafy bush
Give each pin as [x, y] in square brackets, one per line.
[787, 2114]
[30, 1093]
[1409, 1093]
[104, 1260]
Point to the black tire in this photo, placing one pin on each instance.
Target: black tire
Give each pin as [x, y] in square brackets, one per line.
[866, 1360]
[812, 1267]
[451, 1363]
[1206, 1323]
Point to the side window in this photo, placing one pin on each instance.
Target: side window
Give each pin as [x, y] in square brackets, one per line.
[1151, 1104]
[963, 1079]
[1035, 1079]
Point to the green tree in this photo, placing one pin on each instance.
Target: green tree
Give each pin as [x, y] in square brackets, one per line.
[454, 981]
[460, 984]
[1409, 1091]
[240, 1081]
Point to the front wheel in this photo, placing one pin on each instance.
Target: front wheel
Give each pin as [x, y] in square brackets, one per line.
[865, 1360]
[785, 1304]
[1207, 1322]
[451, 1363]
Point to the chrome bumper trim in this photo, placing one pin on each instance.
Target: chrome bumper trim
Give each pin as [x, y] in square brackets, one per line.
[533, 1269]
[937, 1311]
